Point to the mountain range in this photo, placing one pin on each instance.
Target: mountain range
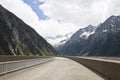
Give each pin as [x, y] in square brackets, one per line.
[74, 44]
[17, 38]
[102, 40]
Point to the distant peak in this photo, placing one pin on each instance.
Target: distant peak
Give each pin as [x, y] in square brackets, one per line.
[90, 25]
[113, 17]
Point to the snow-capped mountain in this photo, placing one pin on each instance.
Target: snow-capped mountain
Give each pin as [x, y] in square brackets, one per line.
[111, 24]
[103, 40]
[59, 39]
[106, 39]
[86, 32]
[73, 45]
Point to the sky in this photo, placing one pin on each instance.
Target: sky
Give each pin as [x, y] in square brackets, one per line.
[59, 17]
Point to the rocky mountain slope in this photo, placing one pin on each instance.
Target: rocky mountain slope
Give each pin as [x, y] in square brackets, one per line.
[17, 38]
[103, 41]
[74, 44]
[106, 39]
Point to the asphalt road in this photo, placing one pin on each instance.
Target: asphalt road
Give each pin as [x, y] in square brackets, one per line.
[58, 69]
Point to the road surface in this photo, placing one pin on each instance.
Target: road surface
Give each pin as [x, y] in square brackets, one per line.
[58, 69]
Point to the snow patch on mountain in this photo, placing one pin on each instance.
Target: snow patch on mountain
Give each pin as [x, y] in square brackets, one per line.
[104, 30]
[85, 35]
[59, 39]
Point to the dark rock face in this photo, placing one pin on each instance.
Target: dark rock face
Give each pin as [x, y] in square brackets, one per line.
[105, 41]
[74, 45]
[17, 38]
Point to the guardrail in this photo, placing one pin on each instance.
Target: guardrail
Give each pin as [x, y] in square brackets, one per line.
[10, 66]
[110, 69]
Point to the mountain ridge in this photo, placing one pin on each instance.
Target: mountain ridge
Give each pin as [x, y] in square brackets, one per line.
[72, 46]
[17, 38]
[104, 41]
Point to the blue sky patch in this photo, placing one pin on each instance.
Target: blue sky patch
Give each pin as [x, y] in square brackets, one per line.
[35, 7]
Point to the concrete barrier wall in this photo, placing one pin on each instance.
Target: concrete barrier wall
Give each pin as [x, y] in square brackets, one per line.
[14, 58]
[10, 66]
[110, 70]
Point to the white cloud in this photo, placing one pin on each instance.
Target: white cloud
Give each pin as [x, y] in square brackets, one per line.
[114, 7]
[22, 10]
[73, 14]
[45, 28]
[81, 12]
[53, 27]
